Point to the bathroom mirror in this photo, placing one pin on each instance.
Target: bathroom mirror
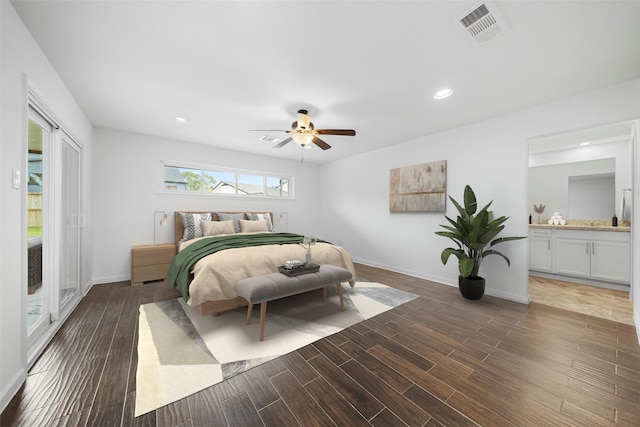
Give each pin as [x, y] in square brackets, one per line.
[581, 174]
[577, 190]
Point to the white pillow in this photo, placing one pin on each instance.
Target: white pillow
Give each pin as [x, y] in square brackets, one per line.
[213, 228]
[231, 216]
[261, 217]
[253, 226]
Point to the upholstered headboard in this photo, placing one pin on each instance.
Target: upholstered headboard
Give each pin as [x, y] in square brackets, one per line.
[179, 226]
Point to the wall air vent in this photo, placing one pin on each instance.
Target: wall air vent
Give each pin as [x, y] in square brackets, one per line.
[482, 22]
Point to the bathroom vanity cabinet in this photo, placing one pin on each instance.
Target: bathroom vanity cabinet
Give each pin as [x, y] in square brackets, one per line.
[540, 258]
[591, 254]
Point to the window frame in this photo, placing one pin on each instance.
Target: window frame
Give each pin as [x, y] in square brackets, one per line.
[221, 169]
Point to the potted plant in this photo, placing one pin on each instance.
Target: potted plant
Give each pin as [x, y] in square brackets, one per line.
[474, 234]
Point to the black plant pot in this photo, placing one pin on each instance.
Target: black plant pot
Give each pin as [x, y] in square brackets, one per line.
[471, 287]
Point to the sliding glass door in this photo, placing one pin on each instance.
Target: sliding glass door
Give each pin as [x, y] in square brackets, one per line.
[53, 225]
[38, 288]
[70, 221]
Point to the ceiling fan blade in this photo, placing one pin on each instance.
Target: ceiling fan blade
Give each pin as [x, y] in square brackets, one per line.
[268, 130]
[281, 143]
[320, 143]
[346, 132]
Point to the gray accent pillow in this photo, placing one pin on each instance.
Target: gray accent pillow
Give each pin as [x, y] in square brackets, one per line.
[235, 217]
[193, 224]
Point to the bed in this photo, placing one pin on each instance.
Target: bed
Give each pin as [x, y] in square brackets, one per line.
[206, 268]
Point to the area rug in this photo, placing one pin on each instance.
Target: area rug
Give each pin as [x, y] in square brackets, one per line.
[181, 352]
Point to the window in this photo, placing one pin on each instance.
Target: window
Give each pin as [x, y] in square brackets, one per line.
[220, 181]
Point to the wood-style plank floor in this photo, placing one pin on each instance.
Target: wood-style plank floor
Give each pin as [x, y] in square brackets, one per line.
[437, 361]
[598, 302]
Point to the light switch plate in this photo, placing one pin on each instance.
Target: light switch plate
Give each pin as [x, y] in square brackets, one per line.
[17, 178]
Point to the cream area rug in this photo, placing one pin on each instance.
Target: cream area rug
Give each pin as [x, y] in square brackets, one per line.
[181, 352]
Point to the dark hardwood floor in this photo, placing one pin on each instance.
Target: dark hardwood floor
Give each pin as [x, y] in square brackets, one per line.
[436, 361]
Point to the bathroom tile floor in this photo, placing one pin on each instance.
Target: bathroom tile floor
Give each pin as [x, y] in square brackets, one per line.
[591, 300]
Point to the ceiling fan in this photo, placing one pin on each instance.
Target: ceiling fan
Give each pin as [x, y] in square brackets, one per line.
[304, 133]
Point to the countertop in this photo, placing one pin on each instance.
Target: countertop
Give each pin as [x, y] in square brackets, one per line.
[622, 229]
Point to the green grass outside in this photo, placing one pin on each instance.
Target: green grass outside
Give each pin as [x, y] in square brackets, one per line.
[34, 232]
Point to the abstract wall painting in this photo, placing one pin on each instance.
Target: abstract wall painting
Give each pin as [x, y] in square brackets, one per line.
[419, 188]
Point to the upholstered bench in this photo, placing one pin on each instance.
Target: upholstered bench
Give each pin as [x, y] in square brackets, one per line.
[261, 289]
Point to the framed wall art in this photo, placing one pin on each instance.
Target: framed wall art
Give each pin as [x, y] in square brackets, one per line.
[419, 188]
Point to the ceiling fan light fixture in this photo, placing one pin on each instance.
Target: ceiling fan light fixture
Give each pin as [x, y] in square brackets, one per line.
[304, 134]
[443, 93]
[304, 120]
[302, 138]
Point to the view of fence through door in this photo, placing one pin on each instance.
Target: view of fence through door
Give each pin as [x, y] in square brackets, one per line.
[40, 136]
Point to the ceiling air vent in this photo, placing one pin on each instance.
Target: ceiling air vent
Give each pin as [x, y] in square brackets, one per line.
[482, 22]
[269, 138]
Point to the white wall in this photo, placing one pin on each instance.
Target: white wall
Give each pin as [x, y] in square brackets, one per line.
[491, 156]
[127, 182]
[635, 230]
[21, 56]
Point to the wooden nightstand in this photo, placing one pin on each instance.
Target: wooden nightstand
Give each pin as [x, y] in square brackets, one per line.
[150, 262]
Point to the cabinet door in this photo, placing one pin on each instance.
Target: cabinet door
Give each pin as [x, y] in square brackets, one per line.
[611, 261]
[573, 257]
[540, 254]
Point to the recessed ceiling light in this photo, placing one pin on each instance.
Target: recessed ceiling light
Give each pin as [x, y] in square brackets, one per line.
[444, 93]
[182, 120]
[582, 144]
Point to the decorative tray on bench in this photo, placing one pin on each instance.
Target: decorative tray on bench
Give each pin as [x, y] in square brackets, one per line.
[311, 268]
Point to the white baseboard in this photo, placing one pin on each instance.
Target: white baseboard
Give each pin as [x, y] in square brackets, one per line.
[110, 279]
[12, 388]
[508, 296]
[522, 299]
[441, 280]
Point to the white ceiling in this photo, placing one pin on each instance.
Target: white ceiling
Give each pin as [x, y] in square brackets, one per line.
[231, 66]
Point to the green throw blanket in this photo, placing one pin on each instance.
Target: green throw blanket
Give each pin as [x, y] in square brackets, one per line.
[179, 274]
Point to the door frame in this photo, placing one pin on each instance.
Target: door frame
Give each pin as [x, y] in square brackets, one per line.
[36, 347]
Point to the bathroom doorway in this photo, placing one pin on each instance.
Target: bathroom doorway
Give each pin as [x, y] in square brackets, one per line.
[555, 162]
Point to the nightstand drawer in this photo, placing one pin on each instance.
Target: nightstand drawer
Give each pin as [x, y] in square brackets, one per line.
[150, 262]
[147, 273]
[149, 255]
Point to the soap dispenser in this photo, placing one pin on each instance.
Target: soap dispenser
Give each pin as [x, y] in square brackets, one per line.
[614, 221]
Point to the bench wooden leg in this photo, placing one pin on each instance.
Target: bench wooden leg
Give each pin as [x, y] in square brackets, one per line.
[263, 317]
[249, 311]
[324, 294]
[339, 286]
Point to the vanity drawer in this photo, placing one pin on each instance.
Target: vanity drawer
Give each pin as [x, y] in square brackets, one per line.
[540, 233]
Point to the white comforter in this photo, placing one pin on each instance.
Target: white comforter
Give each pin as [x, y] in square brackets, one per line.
[215, 275]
